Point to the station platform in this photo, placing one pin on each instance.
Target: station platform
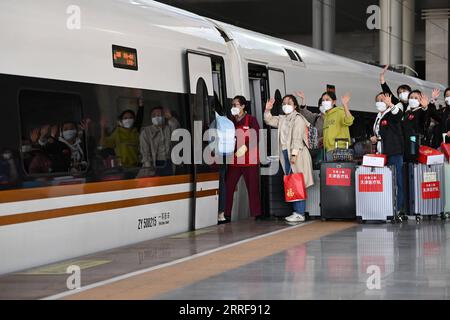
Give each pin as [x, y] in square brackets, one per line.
[257, 260]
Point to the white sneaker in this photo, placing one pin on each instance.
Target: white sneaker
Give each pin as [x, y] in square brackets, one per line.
[222, 217]
[295, 217]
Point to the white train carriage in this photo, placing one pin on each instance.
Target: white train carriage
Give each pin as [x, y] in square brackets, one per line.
[82, 59]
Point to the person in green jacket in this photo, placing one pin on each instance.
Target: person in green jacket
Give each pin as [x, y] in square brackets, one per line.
[124, 139]
[336, 123]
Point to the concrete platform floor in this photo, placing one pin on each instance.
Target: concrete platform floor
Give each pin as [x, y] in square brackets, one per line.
[261, 260]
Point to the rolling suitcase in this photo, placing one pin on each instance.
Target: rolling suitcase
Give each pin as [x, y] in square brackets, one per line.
[426, 190]
[446, 182]
[375, 194]
[447, 187]
[313, 200]
[337, 190]
[273, 198]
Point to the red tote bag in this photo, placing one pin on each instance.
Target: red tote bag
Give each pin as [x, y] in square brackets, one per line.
[294, 187]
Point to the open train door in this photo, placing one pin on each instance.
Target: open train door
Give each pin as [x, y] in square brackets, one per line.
[200, 87]
[277, 90]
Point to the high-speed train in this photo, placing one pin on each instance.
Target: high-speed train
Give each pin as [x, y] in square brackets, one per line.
[64, 60]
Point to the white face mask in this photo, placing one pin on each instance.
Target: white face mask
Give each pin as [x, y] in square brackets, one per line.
[381, 106]
[287, 108]
[7, 155]
[26, 148]
[127, 123]
[447, 101]
[157, 121]
[327, 105]
[69, 134]
[322, 109]
[413, 103]
[404, 96]
[235, 111]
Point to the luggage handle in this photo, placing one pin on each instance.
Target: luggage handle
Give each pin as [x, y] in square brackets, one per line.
[347, 141]
[444, 135]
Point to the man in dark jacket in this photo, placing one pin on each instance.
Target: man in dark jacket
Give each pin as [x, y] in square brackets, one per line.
[388, 137]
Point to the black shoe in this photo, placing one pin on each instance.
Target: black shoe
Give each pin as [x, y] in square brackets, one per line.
[224, 221]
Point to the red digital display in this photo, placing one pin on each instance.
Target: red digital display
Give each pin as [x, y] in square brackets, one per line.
[125, 58]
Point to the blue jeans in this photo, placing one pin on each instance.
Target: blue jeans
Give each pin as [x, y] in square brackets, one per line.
[297, 206]
[397, 162]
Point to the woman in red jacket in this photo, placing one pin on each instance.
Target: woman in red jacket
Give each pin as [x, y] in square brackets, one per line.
[246, 159]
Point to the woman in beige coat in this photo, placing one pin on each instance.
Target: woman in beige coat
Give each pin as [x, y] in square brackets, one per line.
[293, 153]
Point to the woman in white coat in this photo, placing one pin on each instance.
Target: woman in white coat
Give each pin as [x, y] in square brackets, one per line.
[293, 153]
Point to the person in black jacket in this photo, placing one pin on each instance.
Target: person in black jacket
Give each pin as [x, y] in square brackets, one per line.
[387, 131]
[413, 124]
[403, 91]
[441, 116]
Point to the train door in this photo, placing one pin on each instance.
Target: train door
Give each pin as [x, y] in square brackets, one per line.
[277, 90]
[200, 82]
[266, 83]
[206, 82]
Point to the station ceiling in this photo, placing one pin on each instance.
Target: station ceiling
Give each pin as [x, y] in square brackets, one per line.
[287, 17]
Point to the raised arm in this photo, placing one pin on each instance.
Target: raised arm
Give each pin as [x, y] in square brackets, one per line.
[268, 118]
[348, 118]
[310, 116]
[385, 87]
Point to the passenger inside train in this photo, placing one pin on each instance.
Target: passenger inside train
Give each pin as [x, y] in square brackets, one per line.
[156, 144]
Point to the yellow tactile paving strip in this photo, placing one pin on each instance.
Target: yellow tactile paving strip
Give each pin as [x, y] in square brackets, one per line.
[160, 281]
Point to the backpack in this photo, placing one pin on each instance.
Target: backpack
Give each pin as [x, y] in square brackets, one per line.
[225, 135]
[312, 135]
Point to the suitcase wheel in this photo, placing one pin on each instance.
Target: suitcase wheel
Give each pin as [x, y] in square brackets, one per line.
[444, 216]
[418, 219]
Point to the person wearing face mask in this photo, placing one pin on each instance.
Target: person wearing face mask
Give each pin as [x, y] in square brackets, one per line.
[441, 116]
[74, 150]
[317, 120]
[293, 152]
[155, 142]
[245, 161]
[9, 175]
[413, 124]
[388, 138]
[336, 123]
[402, 91]
[124, 139]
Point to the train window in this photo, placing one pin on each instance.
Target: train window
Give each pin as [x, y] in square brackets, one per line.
[53, 136]
[218, 77]
[140, 147]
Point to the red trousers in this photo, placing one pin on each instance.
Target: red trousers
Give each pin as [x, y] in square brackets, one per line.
[251, 178]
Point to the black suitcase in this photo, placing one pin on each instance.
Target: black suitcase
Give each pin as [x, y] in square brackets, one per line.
[272, 195]
[337, 190]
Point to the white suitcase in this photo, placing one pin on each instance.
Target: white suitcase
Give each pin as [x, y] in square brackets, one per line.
[426, 191]
[375, 194]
